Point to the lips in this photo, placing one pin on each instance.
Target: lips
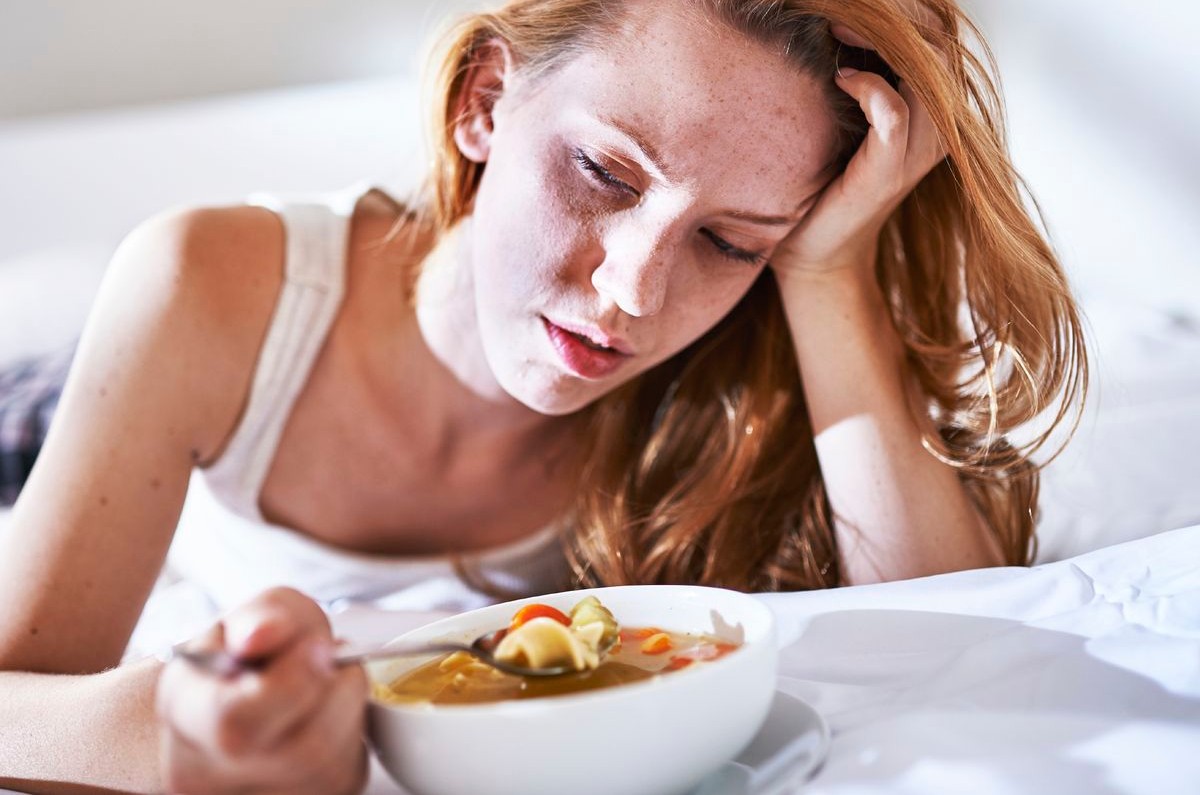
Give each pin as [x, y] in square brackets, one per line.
[591, 354]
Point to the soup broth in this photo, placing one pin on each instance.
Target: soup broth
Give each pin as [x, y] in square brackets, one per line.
[640, 654]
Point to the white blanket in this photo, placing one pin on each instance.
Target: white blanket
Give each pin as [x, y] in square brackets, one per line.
[1081, 676]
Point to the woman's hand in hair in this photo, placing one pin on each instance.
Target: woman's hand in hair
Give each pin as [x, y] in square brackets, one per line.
[288, 721]
[901, 147]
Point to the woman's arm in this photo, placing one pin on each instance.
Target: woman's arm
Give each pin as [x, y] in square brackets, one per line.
[157, 385]
[80, 734]
[899, 512]
[289, 722]
[158, 382]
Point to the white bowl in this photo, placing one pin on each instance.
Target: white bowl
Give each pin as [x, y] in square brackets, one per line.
[657, 737]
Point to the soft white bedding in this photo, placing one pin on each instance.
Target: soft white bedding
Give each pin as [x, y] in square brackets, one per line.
[1081, 676]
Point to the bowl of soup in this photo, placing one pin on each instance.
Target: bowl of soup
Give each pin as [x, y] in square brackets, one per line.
[683, 689]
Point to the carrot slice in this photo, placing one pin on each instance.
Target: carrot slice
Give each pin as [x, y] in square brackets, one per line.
[657, 644]
[536, 610]
[678, 662]
[640, 633]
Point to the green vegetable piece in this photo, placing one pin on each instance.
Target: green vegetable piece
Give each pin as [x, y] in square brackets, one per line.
[588, 611]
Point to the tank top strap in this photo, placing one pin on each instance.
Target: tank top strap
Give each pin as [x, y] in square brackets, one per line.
[316, 232]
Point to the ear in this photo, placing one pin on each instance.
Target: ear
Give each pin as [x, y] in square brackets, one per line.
[488, 71]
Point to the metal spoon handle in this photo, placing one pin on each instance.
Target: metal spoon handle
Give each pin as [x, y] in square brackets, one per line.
[222, 663]
[353, 657]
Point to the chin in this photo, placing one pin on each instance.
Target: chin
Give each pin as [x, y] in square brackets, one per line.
[553, 397]
[554, 404]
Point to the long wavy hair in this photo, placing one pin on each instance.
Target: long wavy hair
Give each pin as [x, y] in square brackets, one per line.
[703, 470]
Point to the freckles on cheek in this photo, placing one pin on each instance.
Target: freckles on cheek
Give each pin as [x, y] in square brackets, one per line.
[534, 239]
[705, 305]
[553, 230]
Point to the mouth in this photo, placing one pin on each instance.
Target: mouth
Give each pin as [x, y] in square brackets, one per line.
[588, 342]
[589, 354]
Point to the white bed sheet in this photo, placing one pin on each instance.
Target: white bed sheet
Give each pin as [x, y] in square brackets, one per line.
[1081, 676]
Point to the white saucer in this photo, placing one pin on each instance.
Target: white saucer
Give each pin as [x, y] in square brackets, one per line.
[788, 749]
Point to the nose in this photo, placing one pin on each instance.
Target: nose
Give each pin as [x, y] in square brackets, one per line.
[635, 270]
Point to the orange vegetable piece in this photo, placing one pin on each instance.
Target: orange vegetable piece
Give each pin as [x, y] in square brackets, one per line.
[537, 610]
[640, 633]
[657, 644]
[678, 662]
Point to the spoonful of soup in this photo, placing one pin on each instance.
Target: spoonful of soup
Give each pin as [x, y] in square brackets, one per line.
[540, 640]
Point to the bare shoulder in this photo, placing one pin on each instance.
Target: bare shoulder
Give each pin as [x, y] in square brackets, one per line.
[382, 220]
[197, 285]
[226, 252]
[385, 234]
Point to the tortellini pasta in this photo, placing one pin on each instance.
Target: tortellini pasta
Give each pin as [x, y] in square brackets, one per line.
[547, 642]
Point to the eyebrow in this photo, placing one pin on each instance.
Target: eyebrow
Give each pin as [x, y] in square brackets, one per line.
[756, 218]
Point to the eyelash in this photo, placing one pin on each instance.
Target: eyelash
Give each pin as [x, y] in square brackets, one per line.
[601, 174]
[607, 180]
[733, 252]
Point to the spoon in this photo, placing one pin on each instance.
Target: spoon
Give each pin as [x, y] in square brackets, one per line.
[483, 648]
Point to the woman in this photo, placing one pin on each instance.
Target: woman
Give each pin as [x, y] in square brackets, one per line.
[645, 222]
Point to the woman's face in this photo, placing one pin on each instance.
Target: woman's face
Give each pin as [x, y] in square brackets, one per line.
[630, 199]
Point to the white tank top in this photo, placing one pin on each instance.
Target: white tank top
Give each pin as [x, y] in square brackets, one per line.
[224, 551]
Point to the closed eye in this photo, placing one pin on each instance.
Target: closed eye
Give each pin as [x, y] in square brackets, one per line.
[610, 181]
[733, 252]
[602, 175]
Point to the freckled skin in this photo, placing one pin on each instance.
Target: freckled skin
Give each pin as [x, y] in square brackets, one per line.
[734, 126]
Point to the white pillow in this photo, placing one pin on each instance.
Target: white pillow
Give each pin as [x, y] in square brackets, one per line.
[1130, 470]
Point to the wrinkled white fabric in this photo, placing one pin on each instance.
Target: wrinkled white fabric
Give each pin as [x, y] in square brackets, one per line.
[1081, 676]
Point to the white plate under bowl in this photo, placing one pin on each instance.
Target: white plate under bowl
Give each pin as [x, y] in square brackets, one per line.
[788, 749]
